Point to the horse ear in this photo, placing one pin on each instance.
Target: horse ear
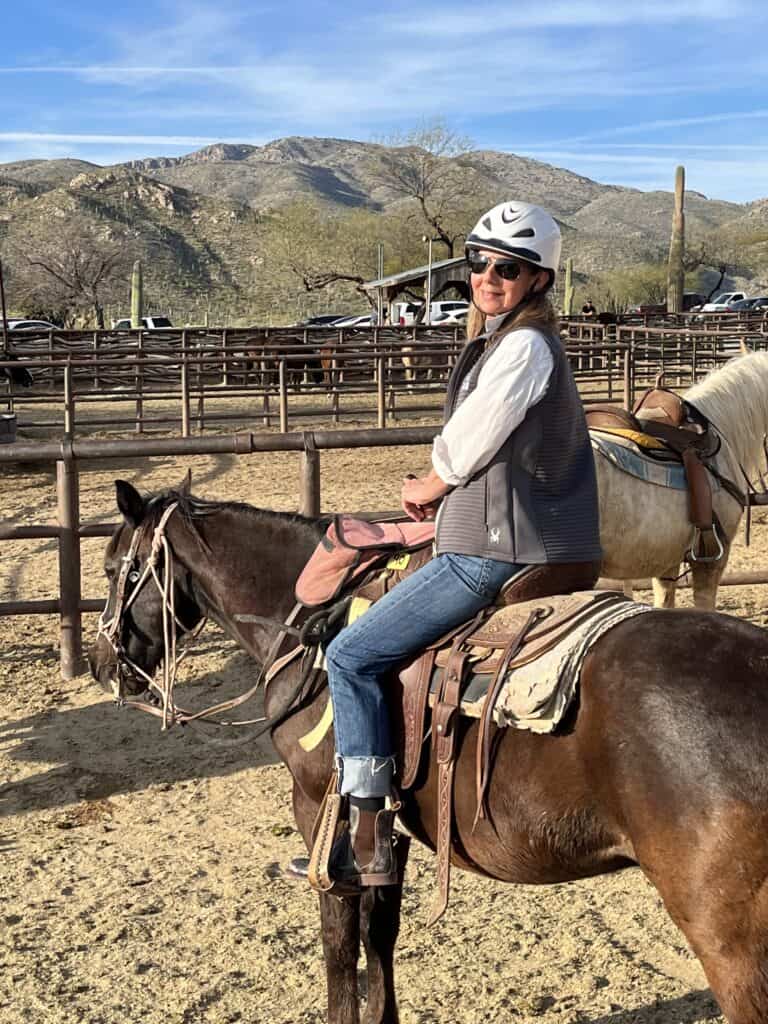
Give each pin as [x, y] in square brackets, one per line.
[130, 503]
[744, 348]
[185, 487]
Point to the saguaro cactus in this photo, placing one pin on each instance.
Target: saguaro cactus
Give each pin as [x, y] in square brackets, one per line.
[675, 268]
[569, 289]
[137, 295]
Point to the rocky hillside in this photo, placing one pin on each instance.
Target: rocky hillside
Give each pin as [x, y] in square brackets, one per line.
[197, 219]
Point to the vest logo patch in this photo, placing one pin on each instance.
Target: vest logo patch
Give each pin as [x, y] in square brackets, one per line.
[495, 535]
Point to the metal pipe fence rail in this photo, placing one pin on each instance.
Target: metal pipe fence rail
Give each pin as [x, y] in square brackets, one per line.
[267, 379]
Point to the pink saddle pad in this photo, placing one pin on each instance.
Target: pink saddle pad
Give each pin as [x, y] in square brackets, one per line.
[351, 546]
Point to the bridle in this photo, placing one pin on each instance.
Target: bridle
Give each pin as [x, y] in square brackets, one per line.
[111, 630]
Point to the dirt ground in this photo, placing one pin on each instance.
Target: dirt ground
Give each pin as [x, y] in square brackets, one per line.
[140, 872]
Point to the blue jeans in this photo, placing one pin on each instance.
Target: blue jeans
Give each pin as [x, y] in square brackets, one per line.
[444, 593]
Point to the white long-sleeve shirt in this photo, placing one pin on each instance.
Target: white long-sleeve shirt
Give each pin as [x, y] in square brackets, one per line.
[514, 377]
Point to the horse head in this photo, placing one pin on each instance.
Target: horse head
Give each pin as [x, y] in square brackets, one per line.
[151, 601]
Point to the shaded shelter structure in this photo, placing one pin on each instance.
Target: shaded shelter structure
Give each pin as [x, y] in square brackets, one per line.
[444, 274]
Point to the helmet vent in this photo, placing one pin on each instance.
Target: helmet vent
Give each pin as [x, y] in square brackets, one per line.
[487, 223]
[525, 233]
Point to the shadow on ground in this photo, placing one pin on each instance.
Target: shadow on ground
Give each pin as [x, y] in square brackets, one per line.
[93, 752]
[688, 1009]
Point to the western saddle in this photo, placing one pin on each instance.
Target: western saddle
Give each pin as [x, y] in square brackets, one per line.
[666, 417]
[535, 610]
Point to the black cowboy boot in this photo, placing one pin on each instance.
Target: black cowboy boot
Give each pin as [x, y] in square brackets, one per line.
[362, 853]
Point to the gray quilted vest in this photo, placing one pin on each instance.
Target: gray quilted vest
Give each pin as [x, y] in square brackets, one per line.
[536, 500]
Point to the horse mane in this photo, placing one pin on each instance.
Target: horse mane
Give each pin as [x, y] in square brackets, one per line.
[193, 509]
[734, 397]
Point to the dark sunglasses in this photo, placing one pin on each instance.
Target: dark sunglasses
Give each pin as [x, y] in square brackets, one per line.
[508, 270]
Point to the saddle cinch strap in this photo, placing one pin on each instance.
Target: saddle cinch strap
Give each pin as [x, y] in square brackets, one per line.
[349, 548]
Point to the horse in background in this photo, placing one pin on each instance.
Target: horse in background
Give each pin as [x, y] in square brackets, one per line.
[18, 376]
[644, 528]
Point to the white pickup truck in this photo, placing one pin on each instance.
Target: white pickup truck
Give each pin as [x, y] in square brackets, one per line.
[721, 302]
[148, 323]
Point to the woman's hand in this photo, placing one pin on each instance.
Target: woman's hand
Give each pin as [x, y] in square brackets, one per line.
[421, 496]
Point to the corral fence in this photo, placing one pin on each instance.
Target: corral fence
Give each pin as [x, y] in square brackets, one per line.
[612, 369]
[179, 381]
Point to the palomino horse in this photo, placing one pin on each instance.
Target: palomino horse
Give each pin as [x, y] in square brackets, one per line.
[664, 764]
[644, 528]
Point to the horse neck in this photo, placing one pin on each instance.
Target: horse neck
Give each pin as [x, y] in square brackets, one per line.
[246, 562]
[735, 400]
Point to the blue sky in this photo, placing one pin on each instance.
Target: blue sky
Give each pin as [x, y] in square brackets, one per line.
[620, 92]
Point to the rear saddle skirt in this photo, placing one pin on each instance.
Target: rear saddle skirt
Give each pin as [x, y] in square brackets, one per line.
[664, 426]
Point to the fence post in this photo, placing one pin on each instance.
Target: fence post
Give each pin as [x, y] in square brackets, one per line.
[310, 476]
[225, 365]
[139, 383]
[68, 498]
[283, 396]
[628, 383]
[69, 401]
[381, 408]
[184, 396]
[96, 383]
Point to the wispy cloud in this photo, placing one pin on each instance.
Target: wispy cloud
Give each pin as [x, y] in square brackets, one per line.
[499, 17]
[115, 140]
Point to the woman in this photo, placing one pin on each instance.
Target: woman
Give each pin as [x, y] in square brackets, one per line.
[513, 478]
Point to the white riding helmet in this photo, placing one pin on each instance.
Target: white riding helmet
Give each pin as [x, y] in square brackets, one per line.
[522, 230]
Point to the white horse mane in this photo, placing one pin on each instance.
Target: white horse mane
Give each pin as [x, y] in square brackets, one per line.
[734, 398]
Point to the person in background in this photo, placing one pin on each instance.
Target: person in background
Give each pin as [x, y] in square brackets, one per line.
[588, 309]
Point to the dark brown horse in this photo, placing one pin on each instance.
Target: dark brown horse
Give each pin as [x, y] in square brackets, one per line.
[664, 765]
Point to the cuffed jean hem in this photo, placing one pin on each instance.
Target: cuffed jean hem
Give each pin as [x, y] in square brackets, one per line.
[365, 776]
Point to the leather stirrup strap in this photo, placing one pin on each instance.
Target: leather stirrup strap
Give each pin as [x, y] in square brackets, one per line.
[444, 718]
[323, 836]
[483, 753]
[416, 679]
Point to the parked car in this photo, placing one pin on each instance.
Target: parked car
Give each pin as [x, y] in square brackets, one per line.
[31, 325]
[404, 313]
[324, 320]
[451, 316]
[757, 303]
[721, 302]
[691, 302]
[358, 320]
[148, 323]
[407, 313]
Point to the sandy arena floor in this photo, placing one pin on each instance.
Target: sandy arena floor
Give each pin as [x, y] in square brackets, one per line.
[139, 873]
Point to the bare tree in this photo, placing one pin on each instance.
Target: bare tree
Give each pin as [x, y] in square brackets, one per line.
[71, 269]
[425, 166]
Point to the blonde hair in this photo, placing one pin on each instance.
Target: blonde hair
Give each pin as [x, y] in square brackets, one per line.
[537, 313]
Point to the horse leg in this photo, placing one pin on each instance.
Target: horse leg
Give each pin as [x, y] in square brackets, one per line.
[665, 587]
[379, 927]
[706, 580]
[340, 928]
[715, 887]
